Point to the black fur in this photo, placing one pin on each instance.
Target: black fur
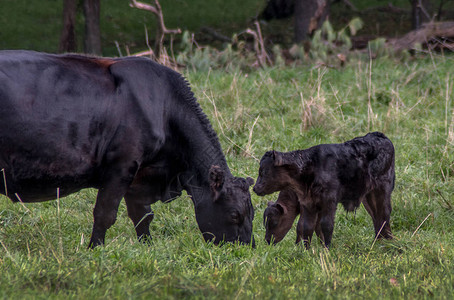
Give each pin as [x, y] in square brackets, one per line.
[127, 126]
[355, 172]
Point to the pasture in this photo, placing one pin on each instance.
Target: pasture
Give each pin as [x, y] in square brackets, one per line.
[43, 246]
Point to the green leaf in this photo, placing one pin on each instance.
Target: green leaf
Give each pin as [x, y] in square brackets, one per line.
[355, 25]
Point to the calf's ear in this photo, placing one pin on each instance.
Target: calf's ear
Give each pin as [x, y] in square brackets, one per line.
[216, 181]
[249, 181]
[282, 209]
[278, 159]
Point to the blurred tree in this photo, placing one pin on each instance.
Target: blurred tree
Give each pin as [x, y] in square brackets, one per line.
[92, 37]
[92, 41]
[421, 12]
[68, 34]
[309, 16]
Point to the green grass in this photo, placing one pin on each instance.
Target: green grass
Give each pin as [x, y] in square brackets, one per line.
[43, 246]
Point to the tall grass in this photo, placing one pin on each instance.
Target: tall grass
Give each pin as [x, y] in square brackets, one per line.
[43, 246]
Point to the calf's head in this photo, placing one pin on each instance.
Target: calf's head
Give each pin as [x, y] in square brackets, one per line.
[278, 219]
[228, 213]
[276, 173]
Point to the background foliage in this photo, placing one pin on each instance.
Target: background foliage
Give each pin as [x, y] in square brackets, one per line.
[36, 25]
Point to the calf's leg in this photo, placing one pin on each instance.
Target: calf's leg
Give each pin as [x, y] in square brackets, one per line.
[378, 205]
[327, 224]
[309, 224]
[299, 230]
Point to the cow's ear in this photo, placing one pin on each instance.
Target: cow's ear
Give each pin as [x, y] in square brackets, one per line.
[270, 203]
[216, 181]
[282, 209]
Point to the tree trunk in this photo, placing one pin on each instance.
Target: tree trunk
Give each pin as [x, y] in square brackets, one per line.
[421, 12]
[68, 35]
[309, 16]
[92, 41]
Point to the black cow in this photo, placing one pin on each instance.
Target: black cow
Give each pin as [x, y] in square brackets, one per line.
[318, 178]
[129, 127]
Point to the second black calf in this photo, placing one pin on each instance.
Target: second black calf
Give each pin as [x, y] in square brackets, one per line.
[357, 171]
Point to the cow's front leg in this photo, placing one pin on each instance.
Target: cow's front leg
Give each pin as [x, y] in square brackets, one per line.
[141, 216]
[115, 184]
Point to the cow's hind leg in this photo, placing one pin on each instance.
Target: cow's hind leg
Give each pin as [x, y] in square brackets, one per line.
[115, 184]
[141, 215]
[378, 205]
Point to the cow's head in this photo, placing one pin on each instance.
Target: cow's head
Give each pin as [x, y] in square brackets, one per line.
[278, 219]
[275, 174]
[227, 215]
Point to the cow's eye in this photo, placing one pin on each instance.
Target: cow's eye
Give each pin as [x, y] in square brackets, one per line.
[235, 217]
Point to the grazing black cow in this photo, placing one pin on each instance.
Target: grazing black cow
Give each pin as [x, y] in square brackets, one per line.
[318, 178]
[129, 127]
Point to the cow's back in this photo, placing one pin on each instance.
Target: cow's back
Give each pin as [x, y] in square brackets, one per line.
[58, 117]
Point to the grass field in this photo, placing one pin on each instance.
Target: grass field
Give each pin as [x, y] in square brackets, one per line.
[43, 246]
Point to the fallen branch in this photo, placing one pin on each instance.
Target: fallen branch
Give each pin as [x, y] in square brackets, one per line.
[216, 35]
[159, 50]
[428, 32]
[259, 46]
[388, 9]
